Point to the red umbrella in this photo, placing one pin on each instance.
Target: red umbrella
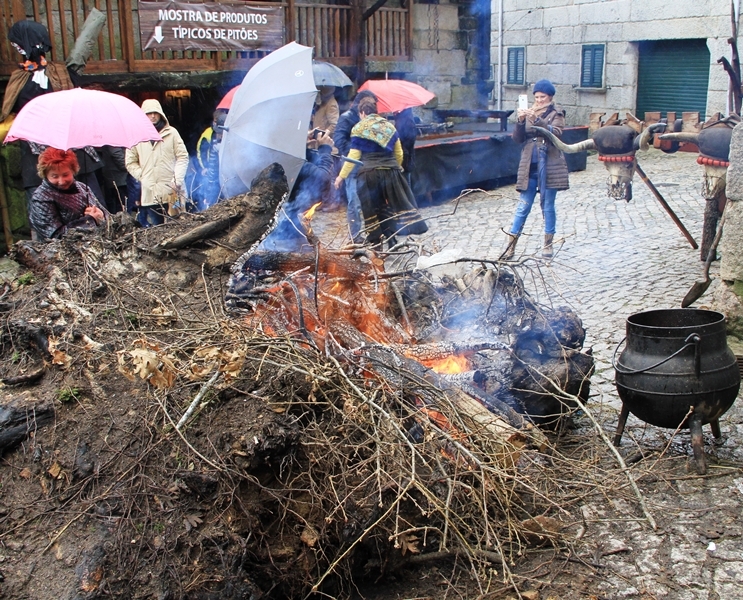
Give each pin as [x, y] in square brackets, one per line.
[226, 102]
[394, 95]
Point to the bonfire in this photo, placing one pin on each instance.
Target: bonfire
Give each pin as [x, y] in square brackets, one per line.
[182, 419]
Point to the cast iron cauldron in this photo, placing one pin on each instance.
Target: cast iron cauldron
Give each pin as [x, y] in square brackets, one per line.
[677, 360]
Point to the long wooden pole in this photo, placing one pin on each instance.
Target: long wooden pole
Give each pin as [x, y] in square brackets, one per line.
[7, 231]
[665, 205]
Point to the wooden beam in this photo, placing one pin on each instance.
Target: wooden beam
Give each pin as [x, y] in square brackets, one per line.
[372, 9]
[19, 12]
[357, 43]
[290, 21]
[127, 34]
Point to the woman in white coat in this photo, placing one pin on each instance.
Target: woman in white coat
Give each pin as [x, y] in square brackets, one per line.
[160, 167]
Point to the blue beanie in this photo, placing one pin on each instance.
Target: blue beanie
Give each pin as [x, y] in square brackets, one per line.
[545, 86]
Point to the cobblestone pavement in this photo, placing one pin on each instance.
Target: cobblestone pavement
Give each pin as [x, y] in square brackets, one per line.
[617, 259]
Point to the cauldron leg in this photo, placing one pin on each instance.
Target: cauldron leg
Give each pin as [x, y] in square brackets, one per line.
[620, 425]
[715, 427]
[697, 443]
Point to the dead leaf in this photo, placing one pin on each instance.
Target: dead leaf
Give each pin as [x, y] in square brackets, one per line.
[147, 363]
[233, 363]
[54, 470]
[122, 368]
[164, 315]
[409, 543]
[539, 530]
[25, 473]
[192, 521]
[207, 352]
[309, 536]
[58, 357]
[199, 372]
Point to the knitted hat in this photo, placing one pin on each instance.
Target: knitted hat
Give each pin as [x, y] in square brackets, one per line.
[545, 86]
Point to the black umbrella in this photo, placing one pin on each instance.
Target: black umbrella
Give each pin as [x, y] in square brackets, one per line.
[327, 74]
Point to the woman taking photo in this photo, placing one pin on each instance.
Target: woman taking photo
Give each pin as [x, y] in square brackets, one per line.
[542, 167]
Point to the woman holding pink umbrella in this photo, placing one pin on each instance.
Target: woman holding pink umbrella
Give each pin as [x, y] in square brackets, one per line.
[60, 203]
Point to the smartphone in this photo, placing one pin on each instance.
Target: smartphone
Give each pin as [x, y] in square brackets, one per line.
[523, 101]
[318, 132]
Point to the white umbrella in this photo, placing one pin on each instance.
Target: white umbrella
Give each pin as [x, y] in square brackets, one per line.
[269, 119]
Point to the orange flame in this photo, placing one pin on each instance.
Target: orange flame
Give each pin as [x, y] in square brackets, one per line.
[450, 364]
[311, 211]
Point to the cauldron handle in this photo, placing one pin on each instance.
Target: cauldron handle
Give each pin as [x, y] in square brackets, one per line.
[691, 340]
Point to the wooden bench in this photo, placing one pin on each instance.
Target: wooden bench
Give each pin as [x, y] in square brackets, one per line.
[502, 115]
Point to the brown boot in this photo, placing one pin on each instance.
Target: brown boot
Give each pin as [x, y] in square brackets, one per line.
[547, 249]
[510, 249]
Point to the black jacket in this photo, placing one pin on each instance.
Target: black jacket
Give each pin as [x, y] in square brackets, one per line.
[406, 129]
[342, 134]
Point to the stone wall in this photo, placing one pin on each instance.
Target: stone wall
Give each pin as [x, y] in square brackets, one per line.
[731, 265]
[442, 56]
[553, 32]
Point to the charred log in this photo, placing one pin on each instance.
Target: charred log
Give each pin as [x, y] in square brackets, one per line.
[257, 214]
[25, 379]
[228, 227]
[30, 337]
[476, 378]
[19, 418]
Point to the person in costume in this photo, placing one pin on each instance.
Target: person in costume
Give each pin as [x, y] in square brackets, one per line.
[34, 77]
[387, 202]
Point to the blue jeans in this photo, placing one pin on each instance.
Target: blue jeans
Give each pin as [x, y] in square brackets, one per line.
[150, 215]
[354, 216]
[524, 207]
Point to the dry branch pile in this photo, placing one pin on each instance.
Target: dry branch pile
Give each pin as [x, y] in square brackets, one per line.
[300, 441]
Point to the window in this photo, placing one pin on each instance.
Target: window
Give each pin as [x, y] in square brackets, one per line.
[515, 74]
[592, 66]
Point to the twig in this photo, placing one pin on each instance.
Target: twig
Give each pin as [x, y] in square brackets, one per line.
[192, 407]
[620, 460]
[61, 531]
[206, 292]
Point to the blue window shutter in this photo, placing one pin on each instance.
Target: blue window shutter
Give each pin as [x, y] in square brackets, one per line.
[592, 66]
[515, 75]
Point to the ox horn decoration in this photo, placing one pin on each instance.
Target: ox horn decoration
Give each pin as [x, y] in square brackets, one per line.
[642, 141]
[560, 145]
[683, 136]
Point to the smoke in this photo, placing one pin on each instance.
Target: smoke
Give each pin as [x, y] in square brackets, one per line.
[313, 185]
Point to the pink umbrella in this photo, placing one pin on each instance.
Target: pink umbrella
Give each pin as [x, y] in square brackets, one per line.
[226, 102]
[394, 95]
[77, 118]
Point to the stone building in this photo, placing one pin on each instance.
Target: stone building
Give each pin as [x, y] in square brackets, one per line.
[624, 55]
